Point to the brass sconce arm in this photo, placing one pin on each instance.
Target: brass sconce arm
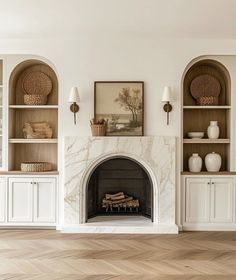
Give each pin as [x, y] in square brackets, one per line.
[166, 98]
[74, 107]
[74, 100]
[167, 108]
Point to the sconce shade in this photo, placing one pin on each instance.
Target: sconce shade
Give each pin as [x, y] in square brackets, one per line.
[166, 97]
[74, 95]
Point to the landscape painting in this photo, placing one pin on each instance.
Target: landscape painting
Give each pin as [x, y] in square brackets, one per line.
[121, 105]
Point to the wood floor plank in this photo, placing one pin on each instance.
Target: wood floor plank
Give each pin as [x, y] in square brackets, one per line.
[48, 254]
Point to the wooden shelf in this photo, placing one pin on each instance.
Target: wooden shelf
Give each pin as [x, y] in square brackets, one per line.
[196, 107]
[208, 173]
[36, 141]
[33, 106]
[206, 141]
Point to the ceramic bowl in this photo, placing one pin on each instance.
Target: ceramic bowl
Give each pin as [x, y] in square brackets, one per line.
[195, 135]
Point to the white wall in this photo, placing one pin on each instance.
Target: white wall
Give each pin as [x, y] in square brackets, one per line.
[82, 60]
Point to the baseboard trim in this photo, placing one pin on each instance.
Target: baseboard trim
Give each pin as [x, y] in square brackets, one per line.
[201, 227]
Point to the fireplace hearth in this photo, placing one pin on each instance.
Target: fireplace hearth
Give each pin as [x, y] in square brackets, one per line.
[119, 186]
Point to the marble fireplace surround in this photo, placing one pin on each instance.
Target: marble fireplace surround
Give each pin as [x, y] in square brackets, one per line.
[155, 153]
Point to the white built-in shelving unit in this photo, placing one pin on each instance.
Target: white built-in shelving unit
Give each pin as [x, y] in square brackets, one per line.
[208, 199]
[27, 199]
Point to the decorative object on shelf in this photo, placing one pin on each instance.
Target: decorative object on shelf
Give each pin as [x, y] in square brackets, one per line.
[35, 99]
[36, 166]
[213, 130]
[213, 162]
[74, 99]
[205, 89]
[99, 127]
[37, 130]
[37, 83]
[167, 98]
[196, 135]
[122, 105]
[37, 86]
[195, 163]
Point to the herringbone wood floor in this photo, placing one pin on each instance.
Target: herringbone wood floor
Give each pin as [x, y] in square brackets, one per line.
[51, 255]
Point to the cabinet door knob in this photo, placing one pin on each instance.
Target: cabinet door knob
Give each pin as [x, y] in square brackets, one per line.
[208, 183]
[213, 183]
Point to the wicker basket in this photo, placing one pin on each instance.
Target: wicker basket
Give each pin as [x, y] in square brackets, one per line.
[30, 99]
[36, 166]
[37, 83]
[207, 100]
[98, 129]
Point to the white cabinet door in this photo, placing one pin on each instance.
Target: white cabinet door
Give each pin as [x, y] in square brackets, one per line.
[2, 199]
[222, 200]
[197, 200]
[20, 200]
[45, 200]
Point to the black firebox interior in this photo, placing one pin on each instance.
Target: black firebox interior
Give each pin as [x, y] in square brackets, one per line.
[119, 175]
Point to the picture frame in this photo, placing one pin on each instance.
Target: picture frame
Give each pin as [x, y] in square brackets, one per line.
[121, 104]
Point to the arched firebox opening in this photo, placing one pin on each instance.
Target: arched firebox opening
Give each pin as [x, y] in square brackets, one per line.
[119, 186]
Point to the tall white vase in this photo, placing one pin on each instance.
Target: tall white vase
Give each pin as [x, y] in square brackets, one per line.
[195, 163]
[213, 130]
[213, 162]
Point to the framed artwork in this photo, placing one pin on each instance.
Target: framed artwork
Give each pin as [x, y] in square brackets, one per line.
[121, 105]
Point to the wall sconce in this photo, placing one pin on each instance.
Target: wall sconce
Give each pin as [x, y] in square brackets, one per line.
[166, 97]
[74, 99]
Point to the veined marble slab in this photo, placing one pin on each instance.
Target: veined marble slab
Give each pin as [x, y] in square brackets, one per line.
[155, 153]
[122, 225]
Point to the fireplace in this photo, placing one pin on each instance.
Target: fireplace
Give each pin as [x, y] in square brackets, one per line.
[141, 167]
[124, 176]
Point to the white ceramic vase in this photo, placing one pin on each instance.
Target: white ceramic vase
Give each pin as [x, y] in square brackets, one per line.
[195, 163]
[213, 162]
[213, 130]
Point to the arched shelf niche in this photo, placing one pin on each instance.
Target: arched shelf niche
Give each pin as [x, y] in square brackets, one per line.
[33, 150]
[196, 118]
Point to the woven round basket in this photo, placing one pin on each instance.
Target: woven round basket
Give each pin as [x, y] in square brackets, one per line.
[35, 99]
[98, 129]
[36, 166]
[37, 83]
[205, 85]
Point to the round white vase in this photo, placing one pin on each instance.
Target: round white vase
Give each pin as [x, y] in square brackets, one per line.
[213, 162]
[195, 163]
[213, 130]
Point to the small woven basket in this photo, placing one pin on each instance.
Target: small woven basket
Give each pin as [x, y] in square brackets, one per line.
[30, 99]
[207, 100]
[36, 166]
[98, 129]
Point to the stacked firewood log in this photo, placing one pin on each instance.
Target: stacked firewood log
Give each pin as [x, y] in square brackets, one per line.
[119, 201]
